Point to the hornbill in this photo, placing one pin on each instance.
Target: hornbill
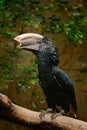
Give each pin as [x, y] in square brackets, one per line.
[56, 84]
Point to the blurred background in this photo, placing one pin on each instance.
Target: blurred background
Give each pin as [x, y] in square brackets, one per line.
[65, 23]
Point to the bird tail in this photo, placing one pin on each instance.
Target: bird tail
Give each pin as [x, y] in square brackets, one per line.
[73, 107]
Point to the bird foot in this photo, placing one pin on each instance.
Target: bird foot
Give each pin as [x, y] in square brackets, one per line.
[53, 116]
[42, 115]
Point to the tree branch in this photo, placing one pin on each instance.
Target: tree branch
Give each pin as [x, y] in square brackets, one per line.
[19, 115]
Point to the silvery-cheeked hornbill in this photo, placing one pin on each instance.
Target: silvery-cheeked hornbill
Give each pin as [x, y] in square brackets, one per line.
[56, 84]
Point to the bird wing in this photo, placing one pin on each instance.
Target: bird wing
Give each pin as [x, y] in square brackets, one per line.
[65, 83]
[62, 78]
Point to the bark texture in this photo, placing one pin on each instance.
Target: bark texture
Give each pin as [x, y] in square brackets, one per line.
[19, 115]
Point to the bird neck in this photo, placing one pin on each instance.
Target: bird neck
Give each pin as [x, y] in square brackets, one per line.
[44, 69]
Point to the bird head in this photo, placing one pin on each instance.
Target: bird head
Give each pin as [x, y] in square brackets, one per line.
[32, 42]
[29, 41]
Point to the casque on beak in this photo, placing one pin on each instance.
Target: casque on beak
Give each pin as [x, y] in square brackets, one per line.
[28, 41]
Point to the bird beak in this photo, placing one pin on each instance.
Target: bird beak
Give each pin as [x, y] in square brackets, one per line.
[28, 41]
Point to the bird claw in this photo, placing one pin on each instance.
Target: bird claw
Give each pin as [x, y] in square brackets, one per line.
[42, 115]
[53, 116]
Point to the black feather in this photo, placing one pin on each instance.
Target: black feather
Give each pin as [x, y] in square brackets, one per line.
[55, 83]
